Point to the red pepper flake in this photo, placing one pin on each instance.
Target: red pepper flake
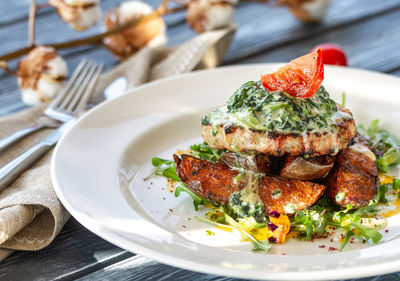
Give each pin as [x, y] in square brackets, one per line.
[332, 249]
[342, 236]
[333, 232]
[163, 198]
[170, 210]
[364, 241]
[283, 254]
[331, 240]
[386, 230]
[351, 241]
[321, 246]
[184, 226]
[151, 182]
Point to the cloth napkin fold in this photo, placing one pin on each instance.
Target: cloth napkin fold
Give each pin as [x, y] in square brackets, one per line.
[30, 213]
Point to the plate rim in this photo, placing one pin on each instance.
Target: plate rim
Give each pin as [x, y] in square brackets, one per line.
[95, 227]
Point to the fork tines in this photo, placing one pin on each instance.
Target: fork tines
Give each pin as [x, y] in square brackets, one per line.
[74, 97]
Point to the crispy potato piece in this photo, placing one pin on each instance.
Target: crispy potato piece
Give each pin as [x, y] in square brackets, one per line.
[287, 196]
[354, 178]
[307, 169]
[215, 181]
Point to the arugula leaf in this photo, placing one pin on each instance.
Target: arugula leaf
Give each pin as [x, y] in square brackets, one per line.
[197, 200]
[258, 245]
[204, 151]
[164, 168]
[381, 192]
[385, 146]
[389, 158]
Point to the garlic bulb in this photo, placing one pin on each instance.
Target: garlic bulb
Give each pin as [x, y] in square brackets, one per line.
[79, 14]
[309, 11]
[41, 75]
[204, 15]
[150, 32]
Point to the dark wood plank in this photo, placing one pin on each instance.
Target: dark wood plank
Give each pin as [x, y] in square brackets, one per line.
[75, 252]
[144, 269]
[369, 44]
[260, 29]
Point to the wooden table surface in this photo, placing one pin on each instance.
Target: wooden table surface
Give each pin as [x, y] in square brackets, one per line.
[368, 30]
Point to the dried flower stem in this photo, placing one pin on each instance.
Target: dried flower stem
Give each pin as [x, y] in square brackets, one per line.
[4, 66]
[31, 24]
[97, 39]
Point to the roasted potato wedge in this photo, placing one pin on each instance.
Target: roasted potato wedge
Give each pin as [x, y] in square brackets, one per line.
[216, 182]
[354, 177]
[307, 169]
[287, 196]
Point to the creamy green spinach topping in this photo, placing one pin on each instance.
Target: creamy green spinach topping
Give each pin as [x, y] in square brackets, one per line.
[253, 107]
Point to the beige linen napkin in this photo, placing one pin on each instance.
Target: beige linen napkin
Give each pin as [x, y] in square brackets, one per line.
[30, 213]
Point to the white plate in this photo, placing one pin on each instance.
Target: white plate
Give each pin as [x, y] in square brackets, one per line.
[99, 165]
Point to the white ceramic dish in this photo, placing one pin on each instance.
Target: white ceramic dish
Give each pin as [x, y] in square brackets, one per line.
[99, 165]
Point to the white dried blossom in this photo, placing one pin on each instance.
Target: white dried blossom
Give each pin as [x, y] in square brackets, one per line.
[205, 15]
[79, 14]
[308, 11]
[41, 75]
[149, 32]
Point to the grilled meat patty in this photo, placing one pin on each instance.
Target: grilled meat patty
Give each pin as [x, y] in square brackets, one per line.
[236, 138]
[217, 182]
[354, 177]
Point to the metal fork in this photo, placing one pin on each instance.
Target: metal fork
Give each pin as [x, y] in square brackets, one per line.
[71, 100]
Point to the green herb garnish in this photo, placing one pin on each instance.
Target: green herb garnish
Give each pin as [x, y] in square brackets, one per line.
[204, 151]
[165, 168]
[256, 108]
[385, 146]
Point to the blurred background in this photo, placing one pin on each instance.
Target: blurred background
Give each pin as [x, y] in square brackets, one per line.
[367, 30]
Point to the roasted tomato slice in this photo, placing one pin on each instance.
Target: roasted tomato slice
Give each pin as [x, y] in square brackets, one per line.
[300, 78]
